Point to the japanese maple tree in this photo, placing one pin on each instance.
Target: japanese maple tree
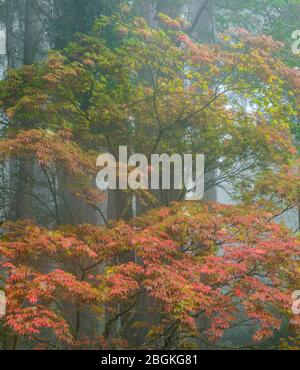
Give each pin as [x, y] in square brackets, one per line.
[180, 276]
[203, 269]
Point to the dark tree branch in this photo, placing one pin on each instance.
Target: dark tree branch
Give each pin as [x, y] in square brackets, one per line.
[198, 16]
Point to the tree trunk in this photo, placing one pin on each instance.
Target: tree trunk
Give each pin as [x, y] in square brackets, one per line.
[32, 32]
[23, 179]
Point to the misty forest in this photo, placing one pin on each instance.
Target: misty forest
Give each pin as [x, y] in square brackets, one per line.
[149, 268]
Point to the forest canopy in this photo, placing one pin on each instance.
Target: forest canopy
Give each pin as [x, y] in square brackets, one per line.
[148, 268]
